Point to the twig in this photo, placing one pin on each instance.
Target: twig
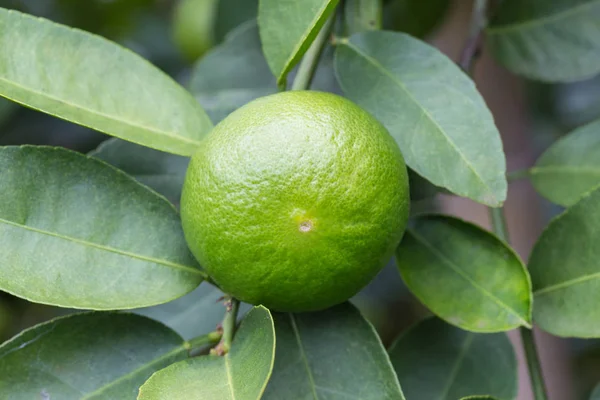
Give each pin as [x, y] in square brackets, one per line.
[472, 47]
[228, 326]
[199, 341]
[309, 63]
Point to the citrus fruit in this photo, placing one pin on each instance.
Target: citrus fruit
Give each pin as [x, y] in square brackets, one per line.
[193, 27]
[295, 201]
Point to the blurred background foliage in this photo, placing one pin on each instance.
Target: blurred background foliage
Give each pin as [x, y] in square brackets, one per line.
[188, 39]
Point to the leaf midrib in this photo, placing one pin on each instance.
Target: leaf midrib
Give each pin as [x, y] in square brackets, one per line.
[459, 272]
[303, 356]
[425, 112]
[105, 248]
[566, 284]
[569, 169]
[541, 21]
[229, 375]
[454, 372]
[94, 112]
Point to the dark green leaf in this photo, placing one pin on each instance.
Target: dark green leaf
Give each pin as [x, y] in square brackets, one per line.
[596, 393]
[89, 355]
[417, 18]
[556, 41]
[287, 29]
[78, 233]
[435, 360]
[479, 398]
[432, 109]
[163, 172]
[242, 374]
[233, 13]
[362, 15]
[570, 167]
[232, 74]
[465, 275]
[194, 314]
[565, 271]
[88, 80]
[327, 355]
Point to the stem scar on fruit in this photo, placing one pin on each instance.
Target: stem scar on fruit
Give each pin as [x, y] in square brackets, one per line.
[306, 226]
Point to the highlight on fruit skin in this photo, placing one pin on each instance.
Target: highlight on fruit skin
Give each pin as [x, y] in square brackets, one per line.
[295, 201]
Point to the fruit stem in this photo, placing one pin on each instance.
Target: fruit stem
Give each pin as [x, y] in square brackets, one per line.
[203, 340]
[232, 306]
[309, 63]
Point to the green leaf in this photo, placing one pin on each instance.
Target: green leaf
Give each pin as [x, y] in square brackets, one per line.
[362, 15]
[555, 41]
[432, 109]
[435, 360]
[565, 271]
[417, 18]
[479, 398]
[163, 172]
[232, 74]
[76, 232]
[570, 167]
[596, 393]
[88, 355]
[465, 275]
[91, 81]
[331, 354]
[233, 13]
[194, 314]
[287, 29]
[242, 374]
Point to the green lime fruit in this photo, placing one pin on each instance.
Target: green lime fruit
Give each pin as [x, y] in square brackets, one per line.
[193, 27]
[295, 201]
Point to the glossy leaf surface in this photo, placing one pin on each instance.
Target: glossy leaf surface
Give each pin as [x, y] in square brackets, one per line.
[329, 355]
[91, 81]
[465, 275]
[76, 232]
[565, 271]
[87, 356]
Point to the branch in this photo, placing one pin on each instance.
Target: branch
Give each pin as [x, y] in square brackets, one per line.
[472, 48]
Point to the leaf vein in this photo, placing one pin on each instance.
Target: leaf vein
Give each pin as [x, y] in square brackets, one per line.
[106, 248]
[303, 356]
[463, 275]
[541, 21]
